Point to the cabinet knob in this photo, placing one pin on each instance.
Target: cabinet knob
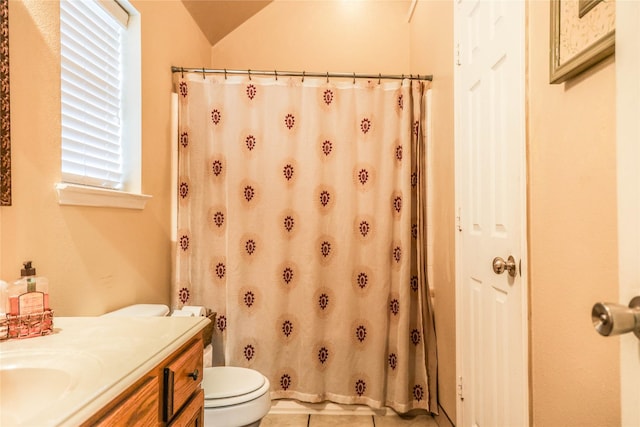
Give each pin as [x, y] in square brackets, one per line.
[194, 374]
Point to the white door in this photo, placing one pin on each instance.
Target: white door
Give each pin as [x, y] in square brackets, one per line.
[490, 196]
[628, 131]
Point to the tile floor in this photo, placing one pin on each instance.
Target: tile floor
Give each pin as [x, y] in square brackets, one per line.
[303, 420]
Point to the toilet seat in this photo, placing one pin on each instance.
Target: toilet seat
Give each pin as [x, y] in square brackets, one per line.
[230, 385]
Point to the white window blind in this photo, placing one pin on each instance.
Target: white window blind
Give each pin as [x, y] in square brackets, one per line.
[91, 75]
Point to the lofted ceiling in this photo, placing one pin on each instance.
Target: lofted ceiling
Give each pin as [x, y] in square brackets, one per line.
[217, 18]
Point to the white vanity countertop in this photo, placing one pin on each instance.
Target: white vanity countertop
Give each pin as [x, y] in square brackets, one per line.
[104, 356]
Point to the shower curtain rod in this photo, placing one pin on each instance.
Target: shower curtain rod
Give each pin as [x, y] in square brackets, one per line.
[302, 74]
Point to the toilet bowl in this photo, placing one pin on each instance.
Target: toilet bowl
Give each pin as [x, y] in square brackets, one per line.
[233, 396]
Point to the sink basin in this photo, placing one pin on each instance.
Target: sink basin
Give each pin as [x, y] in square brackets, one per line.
[32, 381]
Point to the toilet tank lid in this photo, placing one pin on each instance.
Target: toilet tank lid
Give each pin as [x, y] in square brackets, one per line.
[141, 310]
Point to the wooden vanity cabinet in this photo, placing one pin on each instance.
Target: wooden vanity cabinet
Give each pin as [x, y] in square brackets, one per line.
[169, 395]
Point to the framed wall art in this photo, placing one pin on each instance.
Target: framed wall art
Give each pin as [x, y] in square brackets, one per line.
[582, 34]
[5, 122]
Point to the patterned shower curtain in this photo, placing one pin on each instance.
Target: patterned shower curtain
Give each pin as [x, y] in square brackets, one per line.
[301, 223]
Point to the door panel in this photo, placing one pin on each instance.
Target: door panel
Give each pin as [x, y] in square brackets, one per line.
[490, 149]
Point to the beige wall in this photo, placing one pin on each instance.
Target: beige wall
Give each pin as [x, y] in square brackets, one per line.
[432, 53]
[572, 223]
[96, 259]
[572, 238]
[336, 35]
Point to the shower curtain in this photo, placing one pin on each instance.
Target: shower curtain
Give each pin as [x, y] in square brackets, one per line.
[301, 224]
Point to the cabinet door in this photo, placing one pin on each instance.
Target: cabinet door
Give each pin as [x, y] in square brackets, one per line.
[182, 378]
[140, 408]
[193, 413]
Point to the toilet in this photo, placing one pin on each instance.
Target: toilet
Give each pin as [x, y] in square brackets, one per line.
[233, 396]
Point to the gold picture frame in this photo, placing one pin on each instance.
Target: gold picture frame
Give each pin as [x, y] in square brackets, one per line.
[582, 34]
[5, 122]
[584, 6]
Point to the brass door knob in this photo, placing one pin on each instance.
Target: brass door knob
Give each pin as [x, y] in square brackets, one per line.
[500, 265]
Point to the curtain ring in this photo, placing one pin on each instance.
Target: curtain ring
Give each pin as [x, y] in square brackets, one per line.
[303, 77]
[354, 78]
[327, 77]
[249, 73]
[225, 74]
[275, 73]
[379, 77]
[204, 76]
[182, 71]
[402, 76]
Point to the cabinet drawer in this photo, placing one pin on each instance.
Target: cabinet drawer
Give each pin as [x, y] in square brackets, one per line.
[182, 377]
[193, 413]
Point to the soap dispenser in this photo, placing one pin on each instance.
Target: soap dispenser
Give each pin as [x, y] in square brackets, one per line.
[29, 294]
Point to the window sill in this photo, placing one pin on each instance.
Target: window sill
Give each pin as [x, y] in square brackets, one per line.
[81, 195]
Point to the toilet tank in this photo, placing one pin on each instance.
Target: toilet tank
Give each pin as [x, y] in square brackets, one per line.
[141, 310]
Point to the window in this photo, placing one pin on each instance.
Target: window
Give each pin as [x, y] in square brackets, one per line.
[100, 94]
